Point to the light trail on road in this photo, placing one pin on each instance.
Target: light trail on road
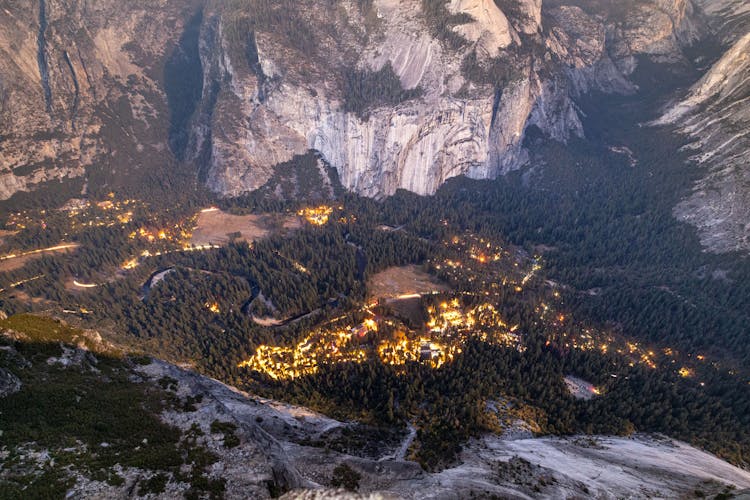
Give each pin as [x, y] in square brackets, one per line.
[65, 246]
[84, 285]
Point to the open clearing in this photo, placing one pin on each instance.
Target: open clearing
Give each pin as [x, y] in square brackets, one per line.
[403, 282]
[216, 227]
[17, 261]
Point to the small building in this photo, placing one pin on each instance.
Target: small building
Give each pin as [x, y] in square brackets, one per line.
[427, 352]
[360, 331]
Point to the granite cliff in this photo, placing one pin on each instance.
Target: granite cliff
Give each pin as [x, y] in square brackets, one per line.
[480, 80]
[80, 93]
[105, 91]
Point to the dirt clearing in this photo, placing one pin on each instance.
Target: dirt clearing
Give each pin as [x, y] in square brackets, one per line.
[401, 282]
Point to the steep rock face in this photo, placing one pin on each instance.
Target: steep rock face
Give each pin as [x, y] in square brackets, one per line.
[476, 101]
[716, 114]
[729, 19]
[529, 16]
[659, 29]
[111, 92]
[80, 86]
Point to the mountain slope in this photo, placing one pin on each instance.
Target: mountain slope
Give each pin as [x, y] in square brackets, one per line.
[473, 78]
[715, 114]
[490, 466]
[392, 95]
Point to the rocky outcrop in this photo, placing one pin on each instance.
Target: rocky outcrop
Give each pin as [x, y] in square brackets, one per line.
[274, 450]
[260, 462]
[659, 29]
[490, 29]
[9, 383]
[729, 19]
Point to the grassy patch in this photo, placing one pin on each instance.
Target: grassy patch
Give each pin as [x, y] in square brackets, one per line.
[50, 483]
[41, 329]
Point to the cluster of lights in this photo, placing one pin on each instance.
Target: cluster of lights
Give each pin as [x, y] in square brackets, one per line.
[449, 324]
[588, 340]
[115, 212]
[21, 220]
[317, 216]
[479, 249]
[130, 264]
[483, 322]
[80, 214]
[686, 372]
[151, 235]
[482, 251]
[446, 331]
[136, 261]
[485, 265]
[421, 349]
[318, 348]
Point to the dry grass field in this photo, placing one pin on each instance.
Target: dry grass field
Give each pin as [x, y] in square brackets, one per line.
[216, 227]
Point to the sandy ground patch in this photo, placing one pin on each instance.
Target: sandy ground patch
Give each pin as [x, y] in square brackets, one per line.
[400, 282]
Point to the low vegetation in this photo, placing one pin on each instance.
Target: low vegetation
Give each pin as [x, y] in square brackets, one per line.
[285, 18]
[345, 477]
[441, 22]
[81, 415]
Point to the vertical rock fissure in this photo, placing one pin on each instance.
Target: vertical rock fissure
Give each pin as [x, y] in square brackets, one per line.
[496, 106]
[77, 95]
[204, 154]
[42, 56]
[253, 61]
[215, 76]
[92, 89]
[183, 79]
[3, 100]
